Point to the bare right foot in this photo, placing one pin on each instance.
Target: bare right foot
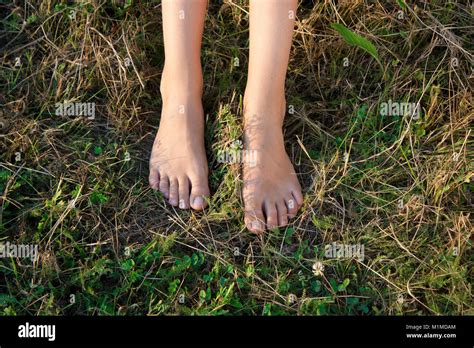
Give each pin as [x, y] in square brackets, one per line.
[178, 163]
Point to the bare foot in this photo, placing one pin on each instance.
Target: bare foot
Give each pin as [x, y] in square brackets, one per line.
[178, 163]
[271, 191]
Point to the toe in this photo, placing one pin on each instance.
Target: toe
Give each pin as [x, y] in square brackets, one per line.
[154, 178]
[199, 194]
[282, 214]
[174, 192]
[183, 202]
[291, 206]
[164, 186]
[271, 215]
[298, 197]
[254, 218]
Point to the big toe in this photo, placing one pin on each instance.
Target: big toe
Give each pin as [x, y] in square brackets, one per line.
[199, 193]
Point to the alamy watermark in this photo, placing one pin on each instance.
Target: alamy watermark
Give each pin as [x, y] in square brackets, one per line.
[76, 109]
[392, 108]
[344, 251]
[18, 250]
[236, 154]
[37, 331]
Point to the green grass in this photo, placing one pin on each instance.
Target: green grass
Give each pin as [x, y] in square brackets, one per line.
[109, 245]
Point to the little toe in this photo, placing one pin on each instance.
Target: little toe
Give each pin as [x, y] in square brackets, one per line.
[291, 206]
[298, 197]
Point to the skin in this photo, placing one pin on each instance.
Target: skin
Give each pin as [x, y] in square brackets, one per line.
[271, 191]
[178, 166]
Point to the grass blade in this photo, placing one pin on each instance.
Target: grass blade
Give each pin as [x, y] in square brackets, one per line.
[356, 40]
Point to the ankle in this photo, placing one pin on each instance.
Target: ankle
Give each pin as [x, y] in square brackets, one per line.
[259, 97]
[179, 81]
[264, 111]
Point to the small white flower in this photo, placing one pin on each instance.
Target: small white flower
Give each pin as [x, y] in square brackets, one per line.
[236, 145]
[318, 268]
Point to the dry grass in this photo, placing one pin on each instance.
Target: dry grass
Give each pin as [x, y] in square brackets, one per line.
[400, 186]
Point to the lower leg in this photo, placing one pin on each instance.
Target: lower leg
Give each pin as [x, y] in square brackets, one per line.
[271, 31]
[178, 164]
[183, 23]
[271, 191]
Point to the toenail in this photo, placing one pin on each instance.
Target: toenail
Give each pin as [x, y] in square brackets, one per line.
[256, 225]
[198, 201]
[182, 205]
[291, 204]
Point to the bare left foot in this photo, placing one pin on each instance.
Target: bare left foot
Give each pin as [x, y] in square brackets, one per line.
[271, 191]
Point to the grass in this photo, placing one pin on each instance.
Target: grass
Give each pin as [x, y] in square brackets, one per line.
[77, 188]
